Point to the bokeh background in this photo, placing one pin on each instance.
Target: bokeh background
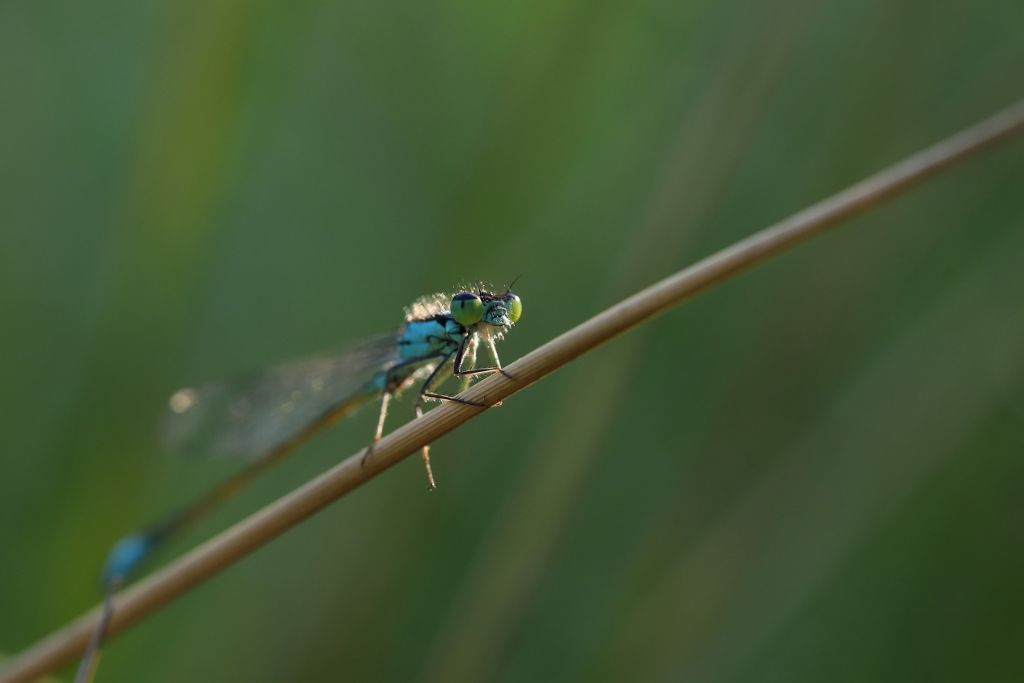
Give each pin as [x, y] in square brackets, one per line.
[814, 472]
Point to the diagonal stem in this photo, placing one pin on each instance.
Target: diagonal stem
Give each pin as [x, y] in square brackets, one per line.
[140, 600]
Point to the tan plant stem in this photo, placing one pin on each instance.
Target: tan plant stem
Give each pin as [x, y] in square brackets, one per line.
[149, 594]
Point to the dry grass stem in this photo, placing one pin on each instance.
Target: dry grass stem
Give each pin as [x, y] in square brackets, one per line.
[149, 594]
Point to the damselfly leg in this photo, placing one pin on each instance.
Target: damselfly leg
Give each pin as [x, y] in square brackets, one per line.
[459, 360]
[494, 355]
[426, 455]
[428, 383]
[385, 399]
[395, 380]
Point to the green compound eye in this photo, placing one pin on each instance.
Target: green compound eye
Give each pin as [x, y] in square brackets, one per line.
[515, 306]
[467, 309]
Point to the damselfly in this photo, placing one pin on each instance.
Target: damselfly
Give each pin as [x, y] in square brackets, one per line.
[265, 416]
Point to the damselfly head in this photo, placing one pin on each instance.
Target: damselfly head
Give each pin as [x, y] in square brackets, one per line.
[499, 310]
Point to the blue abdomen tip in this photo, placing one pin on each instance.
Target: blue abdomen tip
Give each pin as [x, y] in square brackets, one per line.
[125, 556]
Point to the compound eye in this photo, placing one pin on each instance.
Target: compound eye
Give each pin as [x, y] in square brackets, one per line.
[467, 309]
[515, 306]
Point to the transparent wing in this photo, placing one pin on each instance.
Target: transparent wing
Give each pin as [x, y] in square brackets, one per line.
[249, 416]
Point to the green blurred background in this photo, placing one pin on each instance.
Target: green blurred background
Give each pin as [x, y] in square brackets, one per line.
[813, 472]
